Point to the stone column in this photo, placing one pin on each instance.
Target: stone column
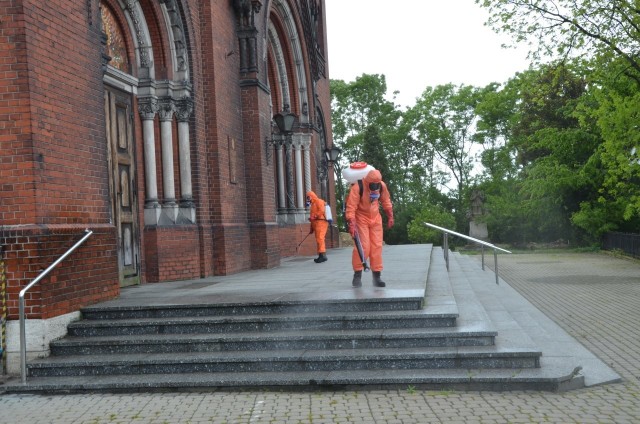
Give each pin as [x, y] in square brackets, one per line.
[184, 108]
[169, 205]
[282, 202]
[300, 193]
[306, 144]
[147, 107]
[288, 156]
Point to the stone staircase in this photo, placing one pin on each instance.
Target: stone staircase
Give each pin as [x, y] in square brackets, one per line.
[444, 340]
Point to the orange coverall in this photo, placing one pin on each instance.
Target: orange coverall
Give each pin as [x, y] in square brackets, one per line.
[366, 215]
[319, 222]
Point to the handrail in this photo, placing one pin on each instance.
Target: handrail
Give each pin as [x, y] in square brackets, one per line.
[475, 240]
[23, 336]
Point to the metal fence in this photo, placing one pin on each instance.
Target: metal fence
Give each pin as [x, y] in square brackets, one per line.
[629, 243]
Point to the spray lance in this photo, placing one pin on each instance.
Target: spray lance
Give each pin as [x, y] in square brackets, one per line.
[300, 244]
[356, 240]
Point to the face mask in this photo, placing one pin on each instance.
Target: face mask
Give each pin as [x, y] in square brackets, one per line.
[308, 203]
[374, 195]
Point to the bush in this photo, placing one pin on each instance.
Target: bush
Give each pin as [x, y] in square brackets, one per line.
[420, 233]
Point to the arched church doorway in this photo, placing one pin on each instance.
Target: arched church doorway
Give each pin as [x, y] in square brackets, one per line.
[118, 105]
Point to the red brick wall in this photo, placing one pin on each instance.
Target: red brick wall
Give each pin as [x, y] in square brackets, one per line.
[88, 275]
[172, 253]
[17, 189]
[67, 127]
[54, 168]
[53, 163]
[222, 206]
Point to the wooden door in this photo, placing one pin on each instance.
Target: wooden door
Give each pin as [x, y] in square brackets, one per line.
[122, 182]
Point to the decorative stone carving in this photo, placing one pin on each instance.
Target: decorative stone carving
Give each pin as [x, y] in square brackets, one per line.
[148, 107]
[245, 11]
[135, 18]
[311, 12]
[178, 33]
[477, 203]
[166, 108]
[184, 109]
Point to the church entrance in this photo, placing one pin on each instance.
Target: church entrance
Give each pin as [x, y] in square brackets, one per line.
[122, 182]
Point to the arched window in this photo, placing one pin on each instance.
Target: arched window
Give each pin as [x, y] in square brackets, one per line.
[115, 47]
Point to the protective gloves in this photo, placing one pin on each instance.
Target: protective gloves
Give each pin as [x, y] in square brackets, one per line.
[390, 221]
[352, 227]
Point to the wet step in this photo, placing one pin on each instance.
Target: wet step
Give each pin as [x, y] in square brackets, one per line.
[556, 380]
[432, 317]
[309, 339]
[288, 360]
[253, 308]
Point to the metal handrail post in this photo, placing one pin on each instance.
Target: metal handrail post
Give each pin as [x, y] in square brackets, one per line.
[23, 333]
[495, 263]
[446, 249]
[482, 243]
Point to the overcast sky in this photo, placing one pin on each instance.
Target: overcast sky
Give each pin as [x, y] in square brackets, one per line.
[416, 44]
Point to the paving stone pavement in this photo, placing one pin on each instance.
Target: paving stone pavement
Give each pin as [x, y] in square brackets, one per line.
[593, 296]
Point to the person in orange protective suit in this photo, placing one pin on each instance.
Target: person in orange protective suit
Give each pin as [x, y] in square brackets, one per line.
[363, 212]
[319, 224]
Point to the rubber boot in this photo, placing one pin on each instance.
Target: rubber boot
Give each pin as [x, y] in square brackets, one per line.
[357, 279]
[322, 257]
[376, 279]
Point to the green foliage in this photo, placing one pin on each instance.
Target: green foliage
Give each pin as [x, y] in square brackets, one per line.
[601, 148]
[373, 152]
[357, 106]
[398, 234]
[420, 233]
[555, 149]
[615, 167]
[444, 119]
[497, 115]
[361, 118]
[607, 30]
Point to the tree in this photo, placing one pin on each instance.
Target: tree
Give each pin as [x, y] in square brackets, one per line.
[445, 123]
[374, 152]
[497, 116]
[363, 122]
[604, 176]
[553, 147]
[609, 30]
[356, 106]
[614, 169]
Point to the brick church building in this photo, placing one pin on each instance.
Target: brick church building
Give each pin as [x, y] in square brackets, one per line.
[160, 126]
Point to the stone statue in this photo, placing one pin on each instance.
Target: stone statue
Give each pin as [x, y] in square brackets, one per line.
[477, 203]
[477, 228]
[245, 10]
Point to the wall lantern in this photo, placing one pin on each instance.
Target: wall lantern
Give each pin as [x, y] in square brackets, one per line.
[284, 120]
[332, 154]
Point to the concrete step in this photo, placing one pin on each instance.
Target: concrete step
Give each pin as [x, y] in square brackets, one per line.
[400, 379]
[518, 321]
[308, 339]
[234, 323]
[479, 299]
[303, 343]
[287, 360]
[252, 308]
